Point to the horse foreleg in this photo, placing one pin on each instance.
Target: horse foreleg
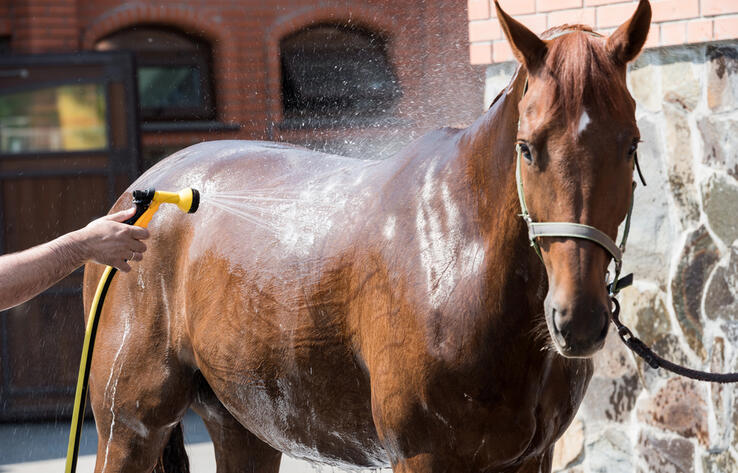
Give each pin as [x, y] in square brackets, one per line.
[427, 463]
[236, 449]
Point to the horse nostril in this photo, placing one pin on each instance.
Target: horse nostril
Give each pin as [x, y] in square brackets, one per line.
[561, 327]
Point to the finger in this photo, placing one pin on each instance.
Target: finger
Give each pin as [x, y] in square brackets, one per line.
[122, 265]
[139, 233]
[137, 257]
[138, 246]
[122, 215]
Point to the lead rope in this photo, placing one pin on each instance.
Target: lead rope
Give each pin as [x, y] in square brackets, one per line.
[655, 361]
[634, 343]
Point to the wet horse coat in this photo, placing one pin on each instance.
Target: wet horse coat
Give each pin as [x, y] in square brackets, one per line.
[359, 313]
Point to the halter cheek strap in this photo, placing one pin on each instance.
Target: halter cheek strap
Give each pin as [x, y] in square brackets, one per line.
[573, 230]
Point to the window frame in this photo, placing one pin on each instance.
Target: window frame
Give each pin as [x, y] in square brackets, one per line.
[200, 58]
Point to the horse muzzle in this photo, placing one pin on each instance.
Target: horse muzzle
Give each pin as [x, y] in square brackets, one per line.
[578, 326]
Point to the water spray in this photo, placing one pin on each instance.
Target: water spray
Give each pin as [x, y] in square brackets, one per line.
[147, 203]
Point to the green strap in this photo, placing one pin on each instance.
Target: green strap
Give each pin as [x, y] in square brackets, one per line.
[521, 197]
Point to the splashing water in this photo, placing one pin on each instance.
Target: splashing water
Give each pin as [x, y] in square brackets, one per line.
[250, 208]
[297, 219]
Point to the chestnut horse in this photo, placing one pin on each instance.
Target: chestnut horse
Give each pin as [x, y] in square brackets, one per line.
[380, 313]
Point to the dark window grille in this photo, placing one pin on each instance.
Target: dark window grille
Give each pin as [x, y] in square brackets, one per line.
[5, 44]
[173, 72]
[336, 72]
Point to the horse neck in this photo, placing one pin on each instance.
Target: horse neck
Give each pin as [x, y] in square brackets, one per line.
[514, 273]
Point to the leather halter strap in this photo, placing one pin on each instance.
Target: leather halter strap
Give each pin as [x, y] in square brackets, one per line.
[574, 230]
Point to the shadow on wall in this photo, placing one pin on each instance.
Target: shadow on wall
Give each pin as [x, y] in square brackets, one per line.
[683, 249]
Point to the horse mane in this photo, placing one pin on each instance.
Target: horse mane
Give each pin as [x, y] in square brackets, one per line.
[581, 71]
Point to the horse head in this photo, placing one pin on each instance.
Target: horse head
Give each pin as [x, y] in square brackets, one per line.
[576, 141]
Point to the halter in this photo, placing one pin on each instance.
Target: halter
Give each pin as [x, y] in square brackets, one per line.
[575, 230]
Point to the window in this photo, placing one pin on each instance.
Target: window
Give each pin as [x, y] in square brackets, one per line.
[62, 118]
[336, 73]
[173, 72]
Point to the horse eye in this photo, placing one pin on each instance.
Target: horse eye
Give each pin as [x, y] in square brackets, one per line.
[525, 151]
[633, 148]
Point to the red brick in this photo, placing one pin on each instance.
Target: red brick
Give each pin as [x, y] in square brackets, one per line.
[478, 9]
[669, 10]
[699, 31]
[501, 52]
[614, 15]
[591, 3]
[550, 5]
[480, 53]
[582, 16]
[673, 33]
[653, 38]
[718, 7]
[516, 7]
[536, 23]
[726, 28]
[484, 30]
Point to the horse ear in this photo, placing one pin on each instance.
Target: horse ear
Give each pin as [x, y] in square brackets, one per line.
[626, 42]
[528, 48]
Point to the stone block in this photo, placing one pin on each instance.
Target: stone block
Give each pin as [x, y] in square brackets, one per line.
[679, 406]
[652, 231]
[644, 84]
[734, 419]
[679, 160]
[497, 78]
[718, 462]
[570, 447]
[644, 311]
[721, 296]
[696, 261]
[720, 142]
[669, 347]
[722, 77]
[681, 81]
[720, 204]
[609, 451]
[614, 386]
[665, 455]
[642, 308]
[719, 429]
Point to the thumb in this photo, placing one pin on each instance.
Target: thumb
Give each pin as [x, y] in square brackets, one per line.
[121, 215]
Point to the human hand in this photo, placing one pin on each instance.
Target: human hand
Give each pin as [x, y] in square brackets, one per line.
[109, 241]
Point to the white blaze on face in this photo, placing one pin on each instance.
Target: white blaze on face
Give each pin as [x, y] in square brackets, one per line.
[583, 122]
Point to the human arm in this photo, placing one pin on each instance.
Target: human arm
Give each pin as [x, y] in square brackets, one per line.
[106, 240]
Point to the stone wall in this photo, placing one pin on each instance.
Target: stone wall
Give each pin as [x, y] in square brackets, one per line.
[683, 249]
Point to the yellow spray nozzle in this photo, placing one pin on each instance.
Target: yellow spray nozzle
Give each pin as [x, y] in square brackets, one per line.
[147, 203]
[187, 199]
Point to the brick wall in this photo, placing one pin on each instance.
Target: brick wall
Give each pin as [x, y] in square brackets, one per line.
[429, 55]
[673, 22]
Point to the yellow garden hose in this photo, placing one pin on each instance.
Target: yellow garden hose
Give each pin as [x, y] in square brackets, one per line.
[147, 203]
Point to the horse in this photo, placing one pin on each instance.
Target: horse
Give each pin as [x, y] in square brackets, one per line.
[380, 313]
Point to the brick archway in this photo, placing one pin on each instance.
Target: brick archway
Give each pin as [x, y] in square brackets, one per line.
[183, 18]
[304, 17]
